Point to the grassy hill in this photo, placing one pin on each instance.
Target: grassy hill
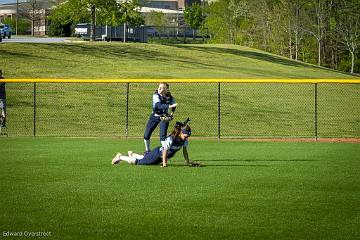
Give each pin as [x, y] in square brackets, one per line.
[118, 60]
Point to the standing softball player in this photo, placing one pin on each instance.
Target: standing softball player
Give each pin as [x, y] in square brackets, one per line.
[2, 103]
[162, 101]
[173, 143]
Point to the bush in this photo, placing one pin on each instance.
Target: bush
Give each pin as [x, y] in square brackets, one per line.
[56, 29]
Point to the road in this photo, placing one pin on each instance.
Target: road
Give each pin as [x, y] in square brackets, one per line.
[33, 40]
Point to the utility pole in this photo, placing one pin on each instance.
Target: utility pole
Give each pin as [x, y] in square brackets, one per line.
[93, 23]
[33, 5]
[124, 37]
[17, 16]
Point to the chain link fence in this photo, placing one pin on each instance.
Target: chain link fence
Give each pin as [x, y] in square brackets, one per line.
[173, 32]
[217, 110]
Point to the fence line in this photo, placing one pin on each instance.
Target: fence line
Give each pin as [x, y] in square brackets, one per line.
[34, 109]
[244, 110]
[315, 111]
[185, 80]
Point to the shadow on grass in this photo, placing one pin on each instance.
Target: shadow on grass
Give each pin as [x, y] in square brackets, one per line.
[252, 160]
[123, 52]
[213, 162]
[73, 51]
[249, 54]
[111, 51]
[8, 53]
[235, 165]
[223, 165]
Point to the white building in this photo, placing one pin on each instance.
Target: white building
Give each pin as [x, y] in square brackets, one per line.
[38, 17]
[7, 11]
[167, 4]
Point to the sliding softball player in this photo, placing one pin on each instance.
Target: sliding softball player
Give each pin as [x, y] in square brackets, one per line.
[160, 155]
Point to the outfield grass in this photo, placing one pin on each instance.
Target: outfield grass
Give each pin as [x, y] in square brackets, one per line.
[118, 60]
[245, 191]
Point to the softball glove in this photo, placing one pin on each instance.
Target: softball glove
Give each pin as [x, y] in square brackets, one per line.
[166, 117]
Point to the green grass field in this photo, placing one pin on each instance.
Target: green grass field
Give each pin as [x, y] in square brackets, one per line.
[245, 190]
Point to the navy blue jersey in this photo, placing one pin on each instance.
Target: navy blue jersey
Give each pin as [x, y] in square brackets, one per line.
[2, 91]
[173, 145]
[155, 156]
[161, 104]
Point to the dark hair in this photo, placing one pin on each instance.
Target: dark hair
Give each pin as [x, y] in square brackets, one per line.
[167, 85]
[178, 129]
[168, 93]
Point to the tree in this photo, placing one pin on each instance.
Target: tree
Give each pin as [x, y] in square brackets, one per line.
[109, 12]
[130, 14]
[318, 14]
[237, 10]
[294, 9]
[34, 12]
[30, 10]
[224, 19]
[194, 17]
[325, 32]
[65, 16]
[215, 22]
[104, 5]
[261, 23]
[348, 27]
[72, 12]
[157, 19]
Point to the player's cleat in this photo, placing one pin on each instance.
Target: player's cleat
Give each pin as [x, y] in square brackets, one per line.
[116, 159]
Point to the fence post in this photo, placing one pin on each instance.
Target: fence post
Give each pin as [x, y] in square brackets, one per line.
[34, 109]
[316, 112]
[184, 34]
[219, 108]
[127, 111]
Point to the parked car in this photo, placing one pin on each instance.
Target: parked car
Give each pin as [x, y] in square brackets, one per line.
[5, 30]
[82, 29]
